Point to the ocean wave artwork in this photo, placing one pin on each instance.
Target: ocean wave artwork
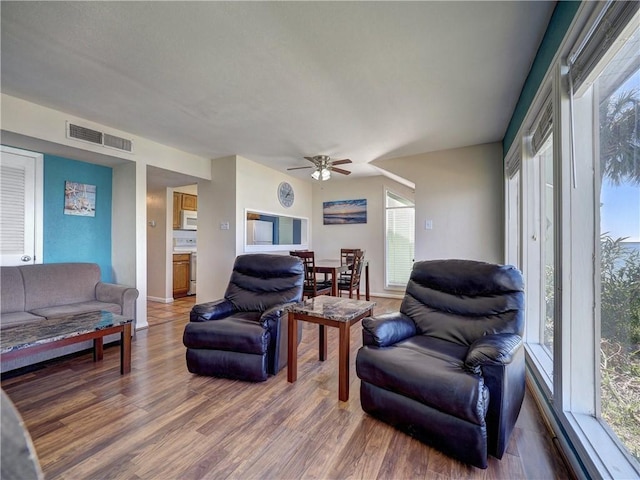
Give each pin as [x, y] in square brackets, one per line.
[344, 212]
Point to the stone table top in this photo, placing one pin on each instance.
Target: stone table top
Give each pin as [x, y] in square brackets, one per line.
[49, 330]
[333, 308]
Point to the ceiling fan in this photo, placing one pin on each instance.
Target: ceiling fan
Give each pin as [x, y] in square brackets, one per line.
[323, 166]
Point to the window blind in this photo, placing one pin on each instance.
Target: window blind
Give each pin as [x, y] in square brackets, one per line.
[611, 22]
[543, 127]
[513, 164]
[400, 239]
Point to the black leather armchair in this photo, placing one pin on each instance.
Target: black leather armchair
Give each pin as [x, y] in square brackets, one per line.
[448, 368]
[244, 335]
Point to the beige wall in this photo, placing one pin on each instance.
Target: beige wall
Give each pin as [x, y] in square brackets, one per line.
[237, 184]
[258, 190]
[461, 192]
[24, 121]
[158, 245]
[327, 240]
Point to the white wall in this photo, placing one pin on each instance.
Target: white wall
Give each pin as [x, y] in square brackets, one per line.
[158, 244]
[129, 233]
[237, 184]
[461, 191]
[258, 190]
[327, 240]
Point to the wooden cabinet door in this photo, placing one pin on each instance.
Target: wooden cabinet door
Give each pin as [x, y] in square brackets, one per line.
[189, 202]
[177, 203]
[181, 274]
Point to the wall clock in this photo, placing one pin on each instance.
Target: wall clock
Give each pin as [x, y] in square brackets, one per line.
[285, 194]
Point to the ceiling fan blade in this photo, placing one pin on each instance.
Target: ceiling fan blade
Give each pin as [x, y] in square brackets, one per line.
[340, 170]
[340, 162]
[298, 168]
[311, 159]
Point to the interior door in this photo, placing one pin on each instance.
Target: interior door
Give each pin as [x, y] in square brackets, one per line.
[20, 207]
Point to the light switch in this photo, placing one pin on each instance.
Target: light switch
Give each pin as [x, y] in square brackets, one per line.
[428, 224]
[224, 226]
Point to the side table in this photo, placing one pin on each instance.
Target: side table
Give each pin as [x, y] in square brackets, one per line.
[327, 311]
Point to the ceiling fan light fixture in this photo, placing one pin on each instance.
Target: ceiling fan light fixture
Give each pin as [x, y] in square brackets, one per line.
[321, 173]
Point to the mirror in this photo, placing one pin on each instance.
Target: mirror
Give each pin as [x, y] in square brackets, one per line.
[270, 232]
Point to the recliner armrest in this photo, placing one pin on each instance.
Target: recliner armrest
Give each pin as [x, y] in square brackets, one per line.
[497, 349]
[275, 312]
[211, 311]
[387, 329]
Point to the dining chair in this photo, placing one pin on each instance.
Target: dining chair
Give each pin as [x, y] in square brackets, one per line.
[312, 287]
[350, 280]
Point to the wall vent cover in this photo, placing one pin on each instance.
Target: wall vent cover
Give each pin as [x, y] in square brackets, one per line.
[85, 134]
[98, 138]
[117, 142]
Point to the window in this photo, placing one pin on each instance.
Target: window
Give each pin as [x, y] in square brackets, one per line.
[539, 265]
[616, 101]
[577, 234]
[399, 240]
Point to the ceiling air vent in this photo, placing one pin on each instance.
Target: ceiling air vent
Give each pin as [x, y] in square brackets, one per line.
[98, 138]
[84, 134]
[117, 142]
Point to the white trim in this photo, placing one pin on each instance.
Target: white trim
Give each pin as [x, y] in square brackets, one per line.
[159, 299]
[38, 198]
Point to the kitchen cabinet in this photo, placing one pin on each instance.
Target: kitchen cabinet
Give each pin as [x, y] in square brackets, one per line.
[183, 201]
[181, 274]
[189, 202]
[177, 203]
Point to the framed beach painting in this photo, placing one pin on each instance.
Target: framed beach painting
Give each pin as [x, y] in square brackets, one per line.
[344, 212]
[79, 199]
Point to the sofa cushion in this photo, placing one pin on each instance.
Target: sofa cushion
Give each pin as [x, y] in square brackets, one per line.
[53, 284]
[411, 368]
[12, 290]
[74, 308]
[17, 318]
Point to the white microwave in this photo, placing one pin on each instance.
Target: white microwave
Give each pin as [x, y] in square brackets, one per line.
[189, 220]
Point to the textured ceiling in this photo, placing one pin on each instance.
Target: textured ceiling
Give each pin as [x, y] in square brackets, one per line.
[276, 81]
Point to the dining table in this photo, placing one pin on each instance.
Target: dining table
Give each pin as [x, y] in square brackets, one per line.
[334, 268]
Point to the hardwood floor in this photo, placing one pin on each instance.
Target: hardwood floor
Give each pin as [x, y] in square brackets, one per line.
[161, 422]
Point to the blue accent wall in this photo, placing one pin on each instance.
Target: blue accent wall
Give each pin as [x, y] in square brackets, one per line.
[558, 25]
[71, 238]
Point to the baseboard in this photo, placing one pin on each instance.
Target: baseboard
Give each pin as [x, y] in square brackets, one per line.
[160, 300]
[398, 296]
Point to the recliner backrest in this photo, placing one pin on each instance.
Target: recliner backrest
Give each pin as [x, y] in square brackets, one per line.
[463, 300]
[261, 281]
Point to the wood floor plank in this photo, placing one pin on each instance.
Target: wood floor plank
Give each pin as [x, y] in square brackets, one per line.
[161, 422]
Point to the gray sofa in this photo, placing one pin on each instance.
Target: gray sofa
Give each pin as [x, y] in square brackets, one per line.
[30, 293]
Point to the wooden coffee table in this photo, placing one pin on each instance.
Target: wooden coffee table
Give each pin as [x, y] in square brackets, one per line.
[327, 311]
[23, 340]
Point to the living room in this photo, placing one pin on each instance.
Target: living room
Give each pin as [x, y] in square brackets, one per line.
[458, 188]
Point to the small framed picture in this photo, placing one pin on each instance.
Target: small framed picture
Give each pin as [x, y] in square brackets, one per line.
[79, 199]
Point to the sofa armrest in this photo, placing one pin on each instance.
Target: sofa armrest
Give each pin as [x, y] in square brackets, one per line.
[497, 349]
[121, 294]
[216, 310]
[387, 329]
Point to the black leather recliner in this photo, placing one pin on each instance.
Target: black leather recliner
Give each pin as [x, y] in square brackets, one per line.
[244, 335]
[448, 368]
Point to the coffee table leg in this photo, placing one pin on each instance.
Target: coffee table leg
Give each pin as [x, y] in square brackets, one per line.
[98, 349]
[292, 354]
[322, 342]
[125, 349]
[343, 361]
